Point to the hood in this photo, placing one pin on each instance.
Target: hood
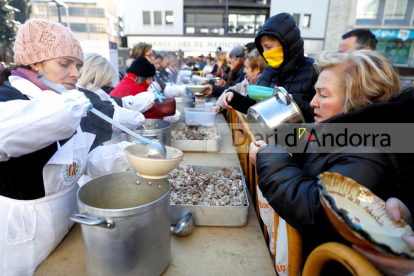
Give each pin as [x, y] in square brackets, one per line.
[283, 27]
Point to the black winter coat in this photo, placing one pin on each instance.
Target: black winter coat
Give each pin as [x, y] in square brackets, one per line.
[296, 74]
[290, 183]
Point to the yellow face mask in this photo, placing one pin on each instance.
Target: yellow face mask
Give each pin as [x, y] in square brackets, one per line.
[274, 57]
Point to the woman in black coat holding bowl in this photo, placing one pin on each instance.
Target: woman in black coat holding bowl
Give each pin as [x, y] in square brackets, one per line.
[353, 87]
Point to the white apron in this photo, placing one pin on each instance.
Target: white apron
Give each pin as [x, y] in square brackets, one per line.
[31, 229]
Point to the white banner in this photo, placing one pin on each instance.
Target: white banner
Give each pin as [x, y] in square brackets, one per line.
[189, 43]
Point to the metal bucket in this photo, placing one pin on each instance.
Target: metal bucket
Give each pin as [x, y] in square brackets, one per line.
[157, 130]
[125, 222]
[182, 103]
[275, 112]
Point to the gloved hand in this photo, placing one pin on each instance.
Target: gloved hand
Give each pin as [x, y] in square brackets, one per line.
[174, 118]
[140, 102]
[158, 96]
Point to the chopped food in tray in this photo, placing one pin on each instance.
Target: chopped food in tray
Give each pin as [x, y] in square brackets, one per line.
[222, 188]
[196, 133]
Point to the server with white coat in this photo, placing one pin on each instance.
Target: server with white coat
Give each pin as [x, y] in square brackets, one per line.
[46, 145]
[98, 72]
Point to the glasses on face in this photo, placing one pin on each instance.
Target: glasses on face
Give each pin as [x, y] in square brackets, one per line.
[149, 55]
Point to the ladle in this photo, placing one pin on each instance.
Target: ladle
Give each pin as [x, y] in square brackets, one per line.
[155, 149]
[185, 226]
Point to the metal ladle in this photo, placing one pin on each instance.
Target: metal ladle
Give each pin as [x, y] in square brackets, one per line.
[185, 226]
[155, 149]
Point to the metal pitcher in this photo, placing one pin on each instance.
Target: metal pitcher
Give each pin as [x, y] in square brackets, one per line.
[273, 113]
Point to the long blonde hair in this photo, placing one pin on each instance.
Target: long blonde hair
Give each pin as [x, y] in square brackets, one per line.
[96, 72]
[369, 76]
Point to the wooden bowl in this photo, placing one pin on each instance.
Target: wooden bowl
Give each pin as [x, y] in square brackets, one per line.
[360, 216]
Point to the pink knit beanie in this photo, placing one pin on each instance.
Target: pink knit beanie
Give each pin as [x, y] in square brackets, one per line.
[38, 40]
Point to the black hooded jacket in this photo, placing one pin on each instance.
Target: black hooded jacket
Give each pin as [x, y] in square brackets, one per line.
[289, 183]
[296, 73]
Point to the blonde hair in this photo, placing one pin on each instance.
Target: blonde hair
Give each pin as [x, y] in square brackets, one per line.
[140, 49]
[255, 60]
[221, 56]
[96, 72]
[369, 76]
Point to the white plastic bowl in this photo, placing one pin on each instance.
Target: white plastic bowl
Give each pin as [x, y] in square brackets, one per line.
[197, 90]
[153, 168]
[199, 116]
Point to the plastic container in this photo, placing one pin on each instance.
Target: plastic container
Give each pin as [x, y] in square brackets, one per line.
[208, 105]
[199, 116]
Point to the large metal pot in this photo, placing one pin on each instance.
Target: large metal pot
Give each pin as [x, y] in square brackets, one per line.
[125, 222]
[273, 113]
[155, 129]
[182, 103]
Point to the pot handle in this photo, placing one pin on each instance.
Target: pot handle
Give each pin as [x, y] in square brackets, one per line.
[92, 221]
[284, 92]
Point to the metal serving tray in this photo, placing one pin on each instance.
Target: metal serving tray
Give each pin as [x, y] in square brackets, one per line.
[213, 215]
[196, 145]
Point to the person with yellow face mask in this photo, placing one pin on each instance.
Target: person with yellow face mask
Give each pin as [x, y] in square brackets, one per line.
[280, 44]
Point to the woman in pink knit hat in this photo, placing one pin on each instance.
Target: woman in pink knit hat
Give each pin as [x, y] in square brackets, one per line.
[46, 145]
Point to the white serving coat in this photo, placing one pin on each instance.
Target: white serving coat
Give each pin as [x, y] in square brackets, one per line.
[31, 229]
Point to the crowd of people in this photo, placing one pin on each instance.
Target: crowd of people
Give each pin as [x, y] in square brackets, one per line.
[45, 132]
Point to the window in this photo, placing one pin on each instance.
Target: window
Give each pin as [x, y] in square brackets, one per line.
[53, 10]
[98, 28]
[296, 16]
[367, 9]
[41, 10]
[73, 11]
[395, 9]
[306, 21]
[78, 27]
[94, 12]
[64, 24]
[242, 23]
[157, 18]
[169, 17]
[397, 52]
[147, 17]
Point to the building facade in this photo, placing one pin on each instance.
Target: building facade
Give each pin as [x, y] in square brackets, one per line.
[88, 19]
[199, 26]
[392, 22]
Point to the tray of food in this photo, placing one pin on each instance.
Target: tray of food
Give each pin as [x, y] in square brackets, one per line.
[196, 138]
[216, 195]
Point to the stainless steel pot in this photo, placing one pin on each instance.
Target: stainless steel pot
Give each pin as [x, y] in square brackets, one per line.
[155, 129]
[125, 222]
[182, 103]
[273, 113]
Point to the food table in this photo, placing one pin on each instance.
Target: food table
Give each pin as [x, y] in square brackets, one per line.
[207, 251]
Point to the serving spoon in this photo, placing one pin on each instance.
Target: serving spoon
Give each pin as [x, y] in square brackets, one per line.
[155, 149]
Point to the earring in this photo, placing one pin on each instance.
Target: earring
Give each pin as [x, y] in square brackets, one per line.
[37, 70]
